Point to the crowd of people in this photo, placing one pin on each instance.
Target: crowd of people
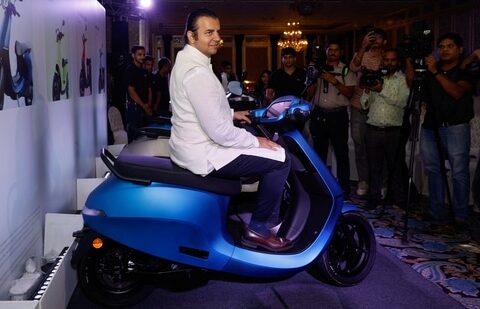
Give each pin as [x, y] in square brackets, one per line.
[374, 111]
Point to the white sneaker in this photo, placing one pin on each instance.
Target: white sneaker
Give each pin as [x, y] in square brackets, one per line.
[362, 188]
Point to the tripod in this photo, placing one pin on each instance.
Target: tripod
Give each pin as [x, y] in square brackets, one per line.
[414, 106]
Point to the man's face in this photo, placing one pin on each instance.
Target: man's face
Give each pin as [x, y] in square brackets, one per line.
[333, 53]
[228, 69]
[148, 65]
[288, 61]
[138, 57]
[207, 37]
[379, 42]
[390, 61]
[449, 51]
[166, 69]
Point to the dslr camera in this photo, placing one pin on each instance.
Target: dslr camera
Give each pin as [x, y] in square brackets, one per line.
[370, 78]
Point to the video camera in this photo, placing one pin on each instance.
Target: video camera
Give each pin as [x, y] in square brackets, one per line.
[418, 45]
[370, 78]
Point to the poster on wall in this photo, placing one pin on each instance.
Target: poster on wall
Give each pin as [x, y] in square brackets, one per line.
[57, 35]
[16, 78]
[85, 78]
[101, 60]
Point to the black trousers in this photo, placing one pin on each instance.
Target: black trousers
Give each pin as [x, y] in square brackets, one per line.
[332, 127]
[384, 146]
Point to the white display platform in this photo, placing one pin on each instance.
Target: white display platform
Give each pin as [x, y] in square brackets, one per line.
[57, 289]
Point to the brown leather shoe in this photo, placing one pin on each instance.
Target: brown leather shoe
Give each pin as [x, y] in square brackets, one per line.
[271, 242]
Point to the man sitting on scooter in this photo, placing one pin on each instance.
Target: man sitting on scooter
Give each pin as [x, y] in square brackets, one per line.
[204, 139]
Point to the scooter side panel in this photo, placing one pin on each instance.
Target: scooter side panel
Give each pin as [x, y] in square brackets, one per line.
[174, 223]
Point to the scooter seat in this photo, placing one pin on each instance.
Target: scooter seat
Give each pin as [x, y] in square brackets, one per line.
[162, 169]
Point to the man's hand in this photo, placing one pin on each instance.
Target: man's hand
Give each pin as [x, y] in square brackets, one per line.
[378, 87]
[148, 110]
[266, 143]
[368, 40]
[242, 117]
[431, 64]
[329, 77]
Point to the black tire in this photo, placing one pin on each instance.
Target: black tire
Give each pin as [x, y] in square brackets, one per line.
[56, 87]
[351, 253]
[103, 277]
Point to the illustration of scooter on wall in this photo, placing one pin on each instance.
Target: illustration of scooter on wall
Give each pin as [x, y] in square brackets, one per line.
[60, 76]
[101, 74]
[21, 84]
[86, 70]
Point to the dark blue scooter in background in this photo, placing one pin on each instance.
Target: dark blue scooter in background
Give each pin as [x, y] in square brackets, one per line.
[151, 219]
[21, 84]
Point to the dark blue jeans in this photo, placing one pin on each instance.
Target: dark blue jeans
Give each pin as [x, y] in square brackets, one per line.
[272, 175]
[455, 142]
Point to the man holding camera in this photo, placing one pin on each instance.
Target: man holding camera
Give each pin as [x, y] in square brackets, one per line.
[329, 120]
[369, 56]
[446, 129]
[385, 100]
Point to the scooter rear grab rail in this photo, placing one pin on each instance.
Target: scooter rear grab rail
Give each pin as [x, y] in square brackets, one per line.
[109, 159]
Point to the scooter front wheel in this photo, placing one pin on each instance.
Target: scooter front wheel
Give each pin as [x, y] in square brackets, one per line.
[104, 276]
[351, 253]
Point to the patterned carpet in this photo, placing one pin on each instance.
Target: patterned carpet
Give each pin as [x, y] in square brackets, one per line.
[447, 256]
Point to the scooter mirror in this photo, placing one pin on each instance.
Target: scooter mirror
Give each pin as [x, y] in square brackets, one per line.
[235, 87]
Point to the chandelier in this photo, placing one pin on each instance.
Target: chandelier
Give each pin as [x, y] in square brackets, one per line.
[292, 37]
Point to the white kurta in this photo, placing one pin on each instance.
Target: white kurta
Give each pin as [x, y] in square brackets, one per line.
[203, 136]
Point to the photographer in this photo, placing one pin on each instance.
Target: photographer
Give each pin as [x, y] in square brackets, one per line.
[369, 56]
[385, 99]
[329, 121]
[446, 128]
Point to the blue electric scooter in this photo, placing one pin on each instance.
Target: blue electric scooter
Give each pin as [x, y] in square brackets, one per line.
[151, 219]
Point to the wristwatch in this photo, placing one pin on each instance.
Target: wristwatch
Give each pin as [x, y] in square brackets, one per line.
[436, 73]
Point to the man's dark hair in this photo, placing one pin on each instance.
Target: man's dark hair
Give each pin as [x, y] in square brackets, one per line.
[334, 42]
[162, 62]
[455, 37]
[136, 47]
[391, 49]
[289, 51]
[148, 58]
[191, 24]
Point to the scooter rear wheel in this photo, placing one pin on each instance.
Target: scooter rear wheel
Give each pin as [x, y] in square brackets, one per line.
[351, 253]
[104, 278]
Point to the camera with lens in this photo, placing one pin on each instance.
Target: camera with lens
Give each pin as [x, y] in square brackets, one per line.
[370, 78]
[317, 65]
[418, 45]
